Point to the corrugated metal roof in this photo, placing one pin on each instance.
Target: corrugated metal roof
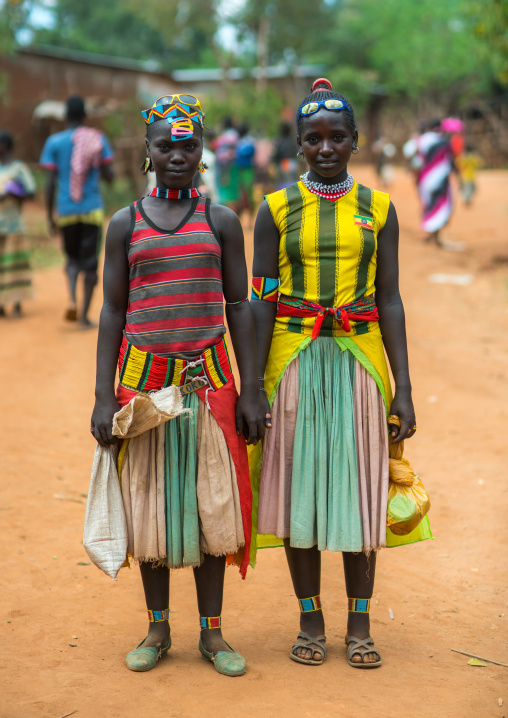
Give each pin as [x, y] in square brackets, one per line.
[239, 73]
[92, 58]
[203, 74]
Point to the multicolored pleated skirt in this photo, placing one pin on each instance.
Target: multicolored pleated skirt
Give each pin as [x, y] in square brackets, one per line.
[185, 483]
[324, 472]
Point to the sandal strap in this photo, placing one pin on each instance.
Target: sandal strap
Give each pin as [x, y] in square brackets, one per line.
[361, 646]
[314, 642]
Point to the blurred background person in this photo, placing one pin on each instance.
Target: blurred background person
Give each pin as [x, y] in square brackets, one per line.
[16, 185]
[431, 157]
[245, 162]
[224, 146]
[75, 160]
[384, 153]
[284, 157]
[207, 184]
[468, 164]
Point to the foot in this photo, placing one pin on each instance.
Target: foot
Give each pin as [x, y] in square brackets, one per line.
[312, 623]
[158, 635]
[225, 660]
[71, 313]
[358, 625]
[213, 642]
[145, 656]
[85, 323]
[16, 311]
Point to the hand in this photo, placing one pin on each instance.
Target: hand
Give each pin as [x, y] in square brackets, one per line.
[267, 408]
[251, 415]
[101, 424]
[402, 406]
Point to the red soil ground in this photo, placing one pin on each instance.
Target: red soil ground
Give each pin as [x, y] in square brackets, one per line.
[449, 593]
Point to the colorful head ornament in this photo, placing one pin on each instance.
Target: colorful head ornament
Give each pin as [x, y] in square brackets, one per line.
[333, 104]
[180, 111]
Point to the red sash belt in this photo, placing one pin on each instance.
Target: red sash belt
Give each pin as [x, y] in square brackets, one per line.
[363, 309]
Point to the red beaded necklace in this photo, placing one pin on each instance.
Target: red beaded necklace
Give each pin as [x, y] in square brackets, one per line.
[175, 193]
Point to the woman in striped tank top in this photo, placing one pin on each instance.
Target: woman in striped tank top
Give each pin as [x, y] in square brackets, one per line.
[172, 259]
[322, 247]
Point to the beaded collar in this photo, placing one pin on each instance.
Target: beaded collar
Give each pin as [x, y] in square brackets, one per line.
[175, 193]
[328, 191]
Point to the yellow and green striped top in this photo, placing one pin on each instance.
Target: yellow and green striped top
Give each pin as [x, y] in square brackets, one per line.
[327, 250]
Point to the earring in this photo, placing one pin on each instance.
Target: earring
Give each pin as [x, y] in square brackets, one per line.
[355, 147]
[147, 167]
[299, 154]
[202, 166]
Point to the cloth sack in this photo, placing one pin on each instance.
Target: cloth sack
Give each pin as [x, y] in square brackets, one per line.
[105, 531]
[408, 501]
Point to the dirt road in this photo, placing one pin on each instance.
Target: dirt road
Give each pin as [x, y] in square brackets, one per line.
[67, 627]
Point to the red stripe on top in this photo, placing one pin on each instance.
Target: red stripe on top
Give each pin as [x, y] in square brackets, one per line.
[175, 286]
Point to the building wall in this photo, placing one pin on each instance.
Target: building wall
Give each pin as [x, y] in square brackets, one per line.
[30, 78]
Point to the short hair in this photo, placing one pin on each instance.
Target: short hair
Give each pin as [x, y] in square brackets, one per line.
[75, 108]
[6, 139]
[322, 90]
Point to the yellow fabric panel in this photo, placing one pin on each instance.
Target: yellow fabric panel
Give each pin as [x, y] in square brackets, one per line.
[95, 216]
[381, 207]
[278, 205]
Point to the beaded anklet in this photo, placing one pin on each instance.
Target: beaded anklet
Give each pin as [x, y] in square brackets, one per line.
[358, 605]
[156, 616]
[310, 604]
[210, 622]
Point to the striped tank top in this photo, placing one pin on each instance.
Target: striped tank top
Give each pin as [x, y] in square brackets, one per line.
[327, 250]
[175, 283]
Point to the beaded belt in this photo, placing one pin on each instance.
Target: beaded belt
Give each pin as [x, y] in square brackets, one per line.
[363, 309]
[143, 371]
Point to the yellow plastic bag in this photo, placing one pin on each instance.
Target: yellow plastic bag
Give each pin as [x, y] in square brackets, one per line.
[408, 502]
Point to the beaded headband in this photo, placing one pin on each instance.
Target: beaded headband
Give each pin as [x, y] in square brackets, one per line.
[180, 111]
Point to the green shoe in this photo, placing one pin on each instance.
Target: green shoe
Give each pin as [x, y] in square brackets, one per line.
[229, 664]
[144, 659]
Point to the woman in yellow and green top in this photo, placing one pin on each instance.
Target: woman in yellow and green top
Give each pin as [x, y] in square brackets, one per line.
[325, 300]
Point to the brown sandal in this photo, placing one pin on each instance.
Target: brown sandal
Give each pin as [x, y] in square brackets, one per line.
[360, 647]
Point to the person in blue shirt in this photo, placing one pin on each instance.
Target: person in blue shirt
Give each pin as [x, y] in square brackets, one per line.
[75, 160]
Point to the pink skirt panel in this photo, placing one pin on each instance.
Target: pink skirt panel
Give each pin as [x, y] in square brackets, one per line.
[371, 438]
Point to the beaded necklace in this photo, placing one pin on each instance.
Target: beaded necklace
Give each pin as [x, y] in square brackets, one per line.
[175, 193]
[328, 191]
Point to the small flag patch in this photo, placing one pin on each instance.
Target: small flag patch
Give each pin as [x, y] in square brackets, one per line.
[365, 222]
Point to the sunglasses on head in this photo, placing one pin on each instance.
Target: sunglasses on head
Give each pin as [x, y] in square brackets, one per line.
[333, 104]
[163, 106]
[171, 99]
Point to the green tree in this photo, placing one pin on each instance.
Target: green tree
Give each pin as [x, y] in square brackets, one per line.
[407, 48]
[284, 30]
[110, 28]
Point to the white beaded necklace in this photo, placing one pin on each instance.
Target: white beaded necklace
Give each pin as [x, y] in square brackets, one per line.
[328, 191]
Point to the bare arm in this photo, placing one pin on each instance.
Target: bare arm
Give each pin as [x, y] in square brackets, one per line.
[49, 199]
[112, 322]
[393, 325]
[266, 264]
[249, 409]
